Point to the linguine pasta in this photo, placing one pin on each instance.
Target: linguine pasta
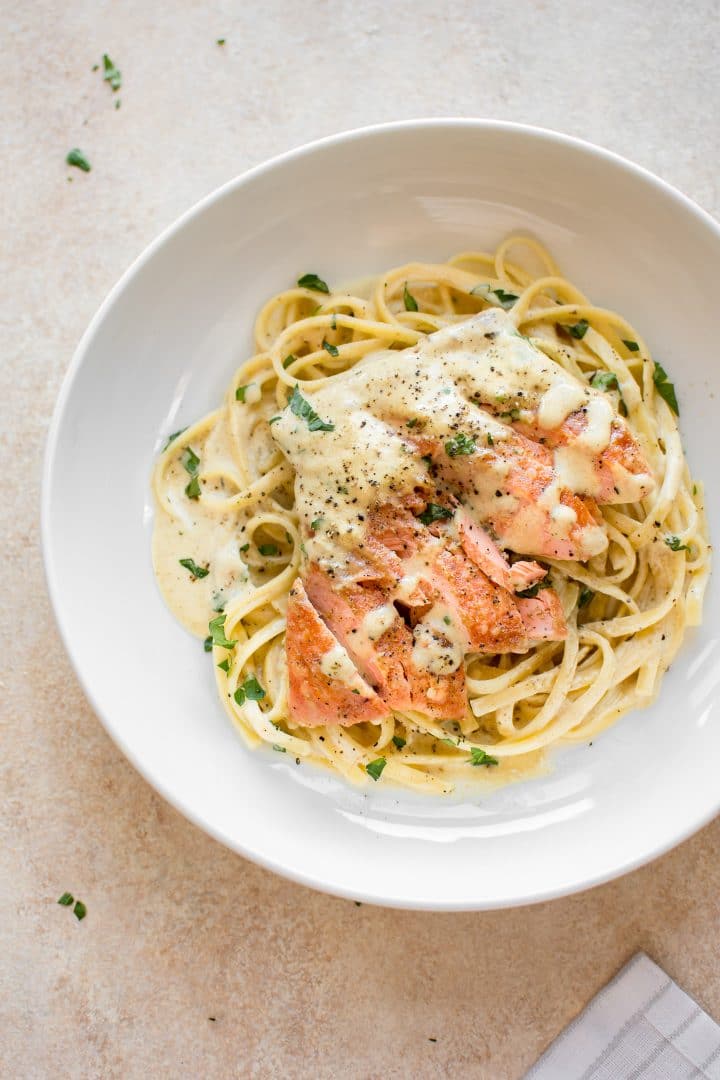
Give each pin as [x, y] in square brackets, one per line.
[225, 507]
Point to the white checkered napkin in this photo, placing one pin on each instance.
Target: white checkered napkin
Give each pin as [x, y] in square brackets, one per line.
[642, 1026]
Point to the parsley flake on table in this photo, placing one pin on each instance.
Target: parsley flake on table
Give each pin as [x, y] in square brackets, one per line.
[111, 74]
[77, 158]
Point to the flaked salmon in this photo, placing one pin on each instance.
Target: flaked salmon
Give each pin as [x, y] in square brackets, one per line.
[324, 685]
[428, 481]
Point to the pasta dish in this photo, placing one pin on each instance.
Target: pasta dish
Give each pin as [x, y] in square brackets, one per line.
[440, 522]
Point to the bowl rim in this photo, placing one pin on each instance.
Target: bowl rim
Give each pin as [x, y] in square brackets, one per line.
[309, 879]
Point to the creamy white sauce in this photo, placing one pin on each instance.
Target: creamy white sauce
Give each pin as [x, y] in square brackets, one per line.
[439, 644]
[563, 515]
[191, 529]
[336, 664]
[574, 470]
[595, 436]
[558, 402]
[378, 621]
[440, 386]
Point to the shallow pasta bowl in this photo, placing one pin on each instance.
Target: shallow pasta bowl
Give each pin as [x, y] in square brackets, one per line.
[159, 353]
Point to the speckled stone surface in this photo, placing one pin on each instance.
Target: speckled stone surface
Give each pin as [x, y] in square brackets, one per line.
[191, 961]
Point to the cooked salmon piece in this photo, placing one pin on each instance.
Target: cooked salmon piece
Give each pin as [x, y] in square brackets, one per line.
[365, 621]
[485, 553]
[325, 688]
[488, 613]
[619, 473]
[543, 617]
[514, 485]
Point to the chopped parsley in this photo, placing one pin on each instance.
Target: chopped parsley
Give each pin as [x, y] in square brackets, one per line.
[312, 281]
[579, 329]
[302, 408]
[675, 544]
[280, 749]
[399, 742]
[665, 388]
[434, 512]
[273, 420]
[409, 300]
[190, 460]
[503, 298]
[171, 439]
[375, 768]
[111, 74]
[216, 627]
[608, 380]
[66, 899]
[290, 359]
[332, 349]
[79, 911]
[192, 490]
[479, 757]
[251, 690]
[315, 525]
[585, 596]
[240, 393]
[631, 345]
[224, 665]
[447, 620]
[208, 643]
[528, 594]
[195, 570]
[511, 414]
[244, 548]
[268, 549]
[77, 158]
[220, 41]
[605, 380]
[490, 440]
[460, 445]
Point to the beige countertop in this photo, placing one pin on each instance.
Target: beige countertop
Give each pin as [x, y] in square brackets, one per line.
[192, 961]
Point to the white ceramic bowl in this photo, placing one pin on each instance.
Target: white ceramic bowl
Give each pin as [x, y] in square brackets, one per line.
[159, 353]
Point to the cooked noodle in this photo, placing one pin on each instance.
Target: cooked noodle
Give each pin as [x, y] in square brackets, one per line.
[627, 609]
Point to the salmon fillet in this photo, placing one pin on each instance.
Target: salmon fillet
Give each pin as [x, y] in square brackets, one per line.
[364, 620]
[324, 687]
